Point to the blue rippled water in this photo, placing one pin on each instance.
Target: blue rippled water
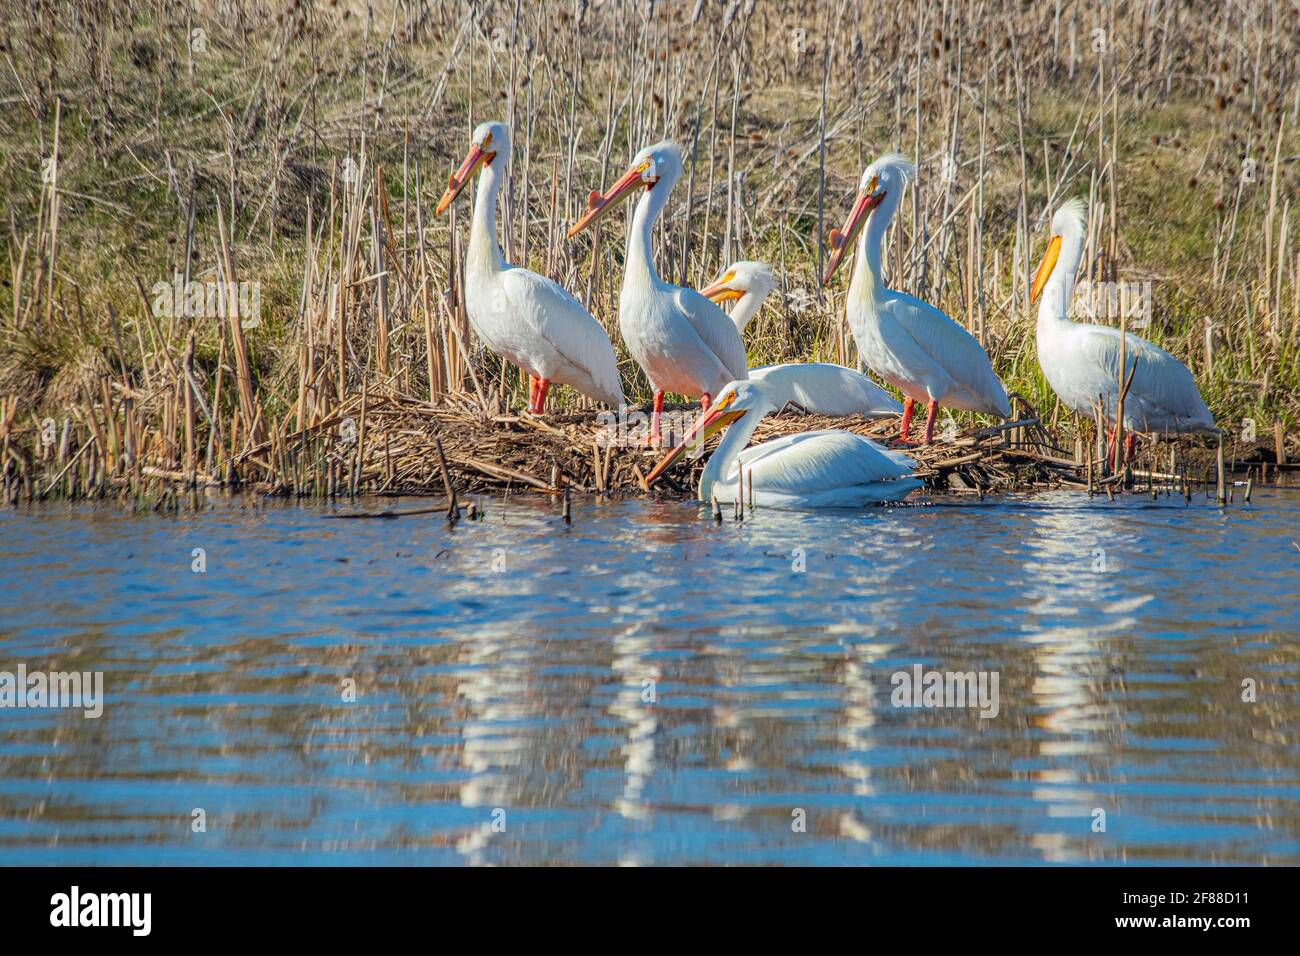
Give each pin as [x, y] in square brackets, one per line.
[647, 687]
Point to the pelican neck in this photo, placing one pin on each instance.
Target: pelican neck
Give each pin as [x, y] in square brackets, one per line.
[484, 253]
[745, 309]
[868, 283]
[640, 264]
[733, 443]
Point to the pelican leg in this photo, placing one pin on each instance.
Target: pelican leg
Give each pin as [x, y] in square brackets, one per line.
[1112, 451]
[906, 428]
[932, 412]
[543, 386]
[532, 392]
[656, 439]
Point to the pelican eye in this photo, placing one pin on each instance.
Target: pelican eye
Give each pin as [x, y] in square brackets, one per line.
[729, 277]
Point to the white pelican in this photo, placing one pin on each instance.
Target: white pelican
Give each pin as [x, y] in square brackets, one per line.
[530, 320]
[746, 283]
[907, 342]
[824, 388]
[1081, 361]
[821, 388]
[685, 343]
[818, 469]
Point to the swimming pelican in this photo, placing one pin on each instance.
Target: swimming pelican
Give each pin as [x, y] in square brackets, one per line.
[907, 342]
[530, 320]
[821, 388]
[685, 343]
[1081, 361]
[746, 283]
[818, 469]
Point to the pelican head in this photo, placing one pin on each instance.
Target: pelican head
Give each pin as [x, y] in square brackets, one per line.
[660, 163]
[489, 139]
[883, 178]
[1068, 234]
[739, 279]
[735, 401]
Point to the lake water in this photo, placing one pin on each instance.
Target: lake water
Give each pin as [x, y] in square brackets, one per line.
[647, 687]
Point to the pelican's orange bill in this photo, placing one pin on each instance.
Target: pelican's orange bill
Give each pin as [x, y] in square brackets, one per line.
[719, 292]
[598, 205]
[717, 417]
[840, 240]
[461, 177]
[1045, 268]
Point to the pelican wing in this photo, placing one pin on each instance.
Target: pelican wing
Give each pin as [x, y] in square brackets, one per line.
[819, 461]
[950, 346]
[569, 329]
[1163, 394]
[715, 329]
[824, 388]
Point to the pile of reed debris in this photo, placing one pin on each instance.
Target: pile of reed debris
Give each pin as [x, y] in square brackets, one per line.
[382, 443]
[393, 445]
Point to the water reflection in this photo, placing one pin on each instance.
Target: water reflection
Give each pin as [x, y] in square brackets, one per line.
[634, 706]
[645, 687]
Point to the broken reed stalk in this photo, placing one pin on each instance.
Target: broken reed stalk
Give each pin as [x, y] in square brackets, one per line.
[188, 366]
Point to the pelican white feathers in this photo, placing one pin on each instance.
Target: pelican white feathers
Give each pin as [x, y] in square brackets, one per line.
[907, 342]
[821, 388]
[685, 343]
[1081, 361]
[528, 319]
[828, 468]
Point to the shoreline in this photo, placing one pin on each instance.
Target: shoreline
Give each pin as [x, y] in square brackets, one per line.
[381, 444]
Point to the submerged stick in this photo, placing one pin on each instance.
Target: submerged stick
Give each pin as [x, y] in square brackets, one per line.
[356, 515]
